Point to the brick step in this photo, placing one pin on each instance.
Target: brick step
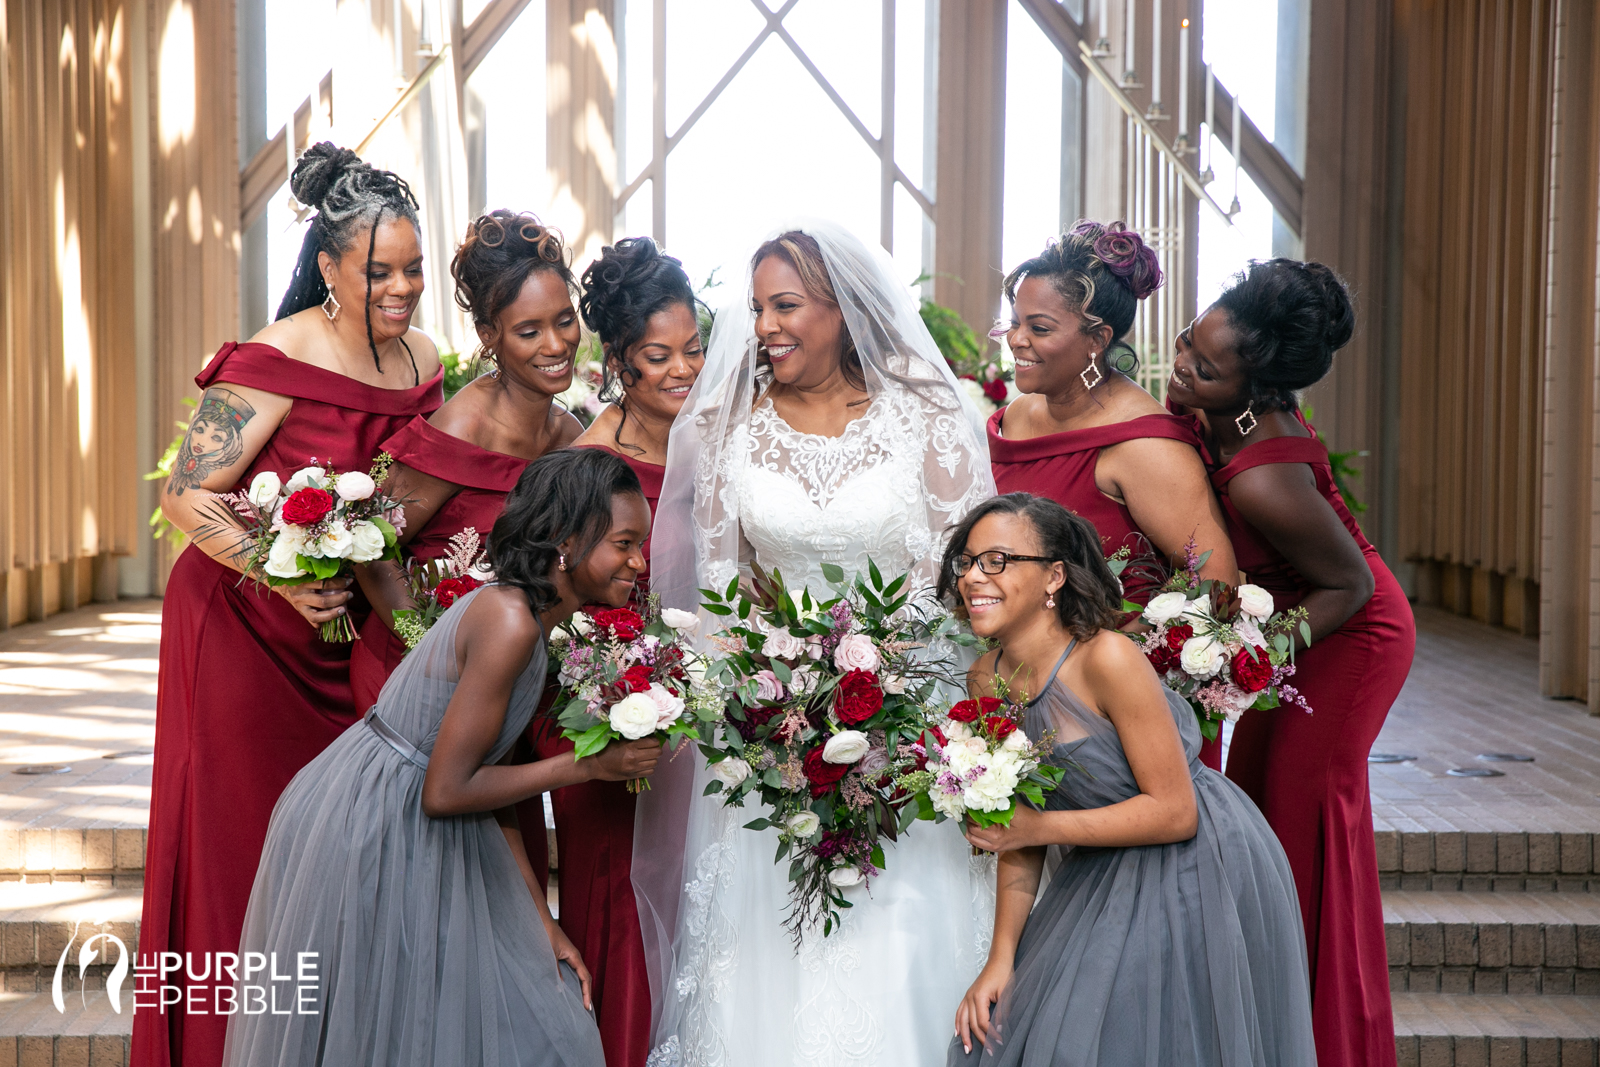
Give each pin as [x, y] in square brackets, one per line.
[39, 919]
[1518, 943]
[89, 1033]
[1464, 861]
[1446, 1030]
[73, 855]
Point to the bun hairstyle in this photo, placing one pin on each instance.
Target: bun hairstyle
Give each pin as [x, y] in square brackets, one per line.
[1102, 270]
[630, 282]
[561, 495]
[350, 196]
[1288, 320]
[498, 254]
[1091, 598]
[801, 251]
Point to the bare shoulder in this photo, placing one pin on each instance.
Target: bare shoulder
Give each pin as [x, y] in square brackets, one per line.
[458, 415]
[499, 617]
[1111, 657]
[296, 336]
[1263, 491]
[602, 430]
[424, 351]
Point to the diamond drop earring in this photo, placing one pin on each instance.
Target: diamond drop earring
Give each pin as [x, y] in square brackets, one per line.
[333, 316]
[1249, 413]
[1050, 600]
[561, 561]
[1094, 365]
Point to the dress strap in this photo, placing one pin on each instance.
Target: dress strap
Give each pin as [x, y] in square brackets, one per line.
[995, 670]
[392, 738]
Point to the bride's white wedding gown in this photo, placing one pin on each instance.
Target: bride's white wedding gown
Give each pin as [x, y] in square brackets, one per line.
[882, 990]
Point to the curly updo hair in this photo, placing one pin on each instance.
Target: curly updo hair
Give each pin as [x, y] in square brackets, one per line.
[501, 250]
[562, 494]
[801, 251]
[630, 282]
[1102, 270]
[1288, 320]
[351, 197]
[1091, 598]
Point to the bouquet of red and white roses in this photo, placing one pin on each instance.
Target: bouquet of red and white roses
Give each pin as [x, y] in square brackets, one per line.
[814, 708]
[623, 675]
[1224, 649]
[314, 527]
[437, 583]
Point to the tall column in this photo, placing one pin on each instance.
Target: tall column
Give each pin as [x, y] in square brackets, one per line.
[969, 172]
[581, 149]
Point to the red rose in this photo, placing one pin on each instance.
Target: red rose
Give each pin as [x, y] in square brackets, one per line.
[1177, 635]
[1251, 675]
[623, 624]
[858, 697]
[636, 678]
[308, 506]
[822, 775]
[970, 710]
[995, 390]
[999, 727]
[450, 590]
[1162, 658]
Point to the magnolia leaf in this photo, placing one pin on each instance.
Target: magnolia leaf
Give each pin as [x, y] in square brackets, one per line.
[589, 741]
[833, 573]
[758, 824]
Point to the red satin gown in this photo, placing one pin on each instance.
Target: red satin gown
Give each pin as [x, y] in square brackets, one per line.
[1308, 773]
[1061, 466]
[594, 842]
[247, 695]
[485, 479]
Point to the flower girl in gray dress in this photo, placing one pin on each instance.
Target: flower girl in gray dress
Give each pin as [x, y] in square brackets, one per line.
[394, 856]
[1169, 931]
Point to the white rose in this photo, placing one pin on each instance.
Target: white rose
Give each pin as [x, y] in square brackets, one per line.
[368, 540]
[844, 877]
[1015, 741]
[957, 731]
[731, 771]
[1203, 656]
[264, 489]
[680, 620]
[634, 716]
[856, 653]
[558, 635]
[846, 746]
[803, 823]
[1249, 631]
[335, 543]
[354, 485]
[1165, 607]
[280, 558]
[302, 478]
[581, 623]
[894, 684]
[1255, 601]
[803, 679]
[782, 645]
[975, 392]
[669, 705]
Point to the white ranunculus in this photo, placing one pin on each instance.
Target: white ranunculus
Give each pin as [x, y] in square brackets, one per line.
[634, 716]
[368, 544]
[680, 620]
[803, 823]
[354, 485]
[844, 877]
[1255, 601]
[669, 705]
[856, 652]
[782, 644]
[302, 478]
[281, 557]
[846, 746]
[264, 489]
[731, 771]
[581, 623]
[335, 543]
[1164, 607]
[1203, 656]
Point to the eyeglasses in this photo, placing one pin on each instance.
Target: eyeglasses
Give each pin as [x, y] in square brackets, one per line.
[994, 562]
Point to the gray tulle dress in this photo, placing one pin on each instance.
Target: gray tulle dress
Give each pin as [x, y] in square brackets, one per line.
[430, 948]
[1190, 953]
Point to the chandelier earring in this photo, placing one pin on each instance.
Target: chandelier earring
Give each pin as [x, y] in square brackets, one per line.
[332, 313]
[1247, 421]
[1094, 365]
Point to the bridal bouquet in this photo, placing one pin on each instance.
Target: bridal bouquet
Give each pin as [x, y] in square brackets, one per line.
[438, 583]
[814, 708]
[314, 527]
[1224, 649]
[623, 675]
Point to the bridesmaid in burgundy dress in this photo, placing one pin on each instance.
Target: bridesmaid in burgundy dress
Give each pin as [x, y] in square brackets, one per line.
[1239, 367]
[248, 692]
[643, 308]
[1085, 434]
[455, 467]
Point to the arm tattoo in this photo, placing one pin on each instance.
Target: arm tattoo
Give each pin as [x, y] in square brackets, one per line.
[214, 441]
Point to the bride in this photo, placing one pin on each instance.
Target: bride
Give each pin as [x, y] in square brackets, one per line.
[825, 428]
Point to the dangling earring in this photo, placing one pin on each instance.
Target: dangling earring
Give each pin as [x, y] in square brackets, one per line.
[1099, 375]
[333, 316]
[561, 561]
[1050, 600]
[494, 367]
[1249, 413]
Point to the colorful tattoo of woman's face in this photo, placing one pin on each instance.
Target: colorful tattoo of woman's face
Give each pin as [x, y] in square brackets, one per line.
[215, 440]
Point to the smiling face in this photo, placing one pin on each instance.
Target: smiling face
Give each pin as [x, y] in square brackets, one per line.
[606, 575]
[666, 361]
[803, 336]
[396, 275]
[1207, 373]
[538, 334]
[1000, 605]
[1048, 341]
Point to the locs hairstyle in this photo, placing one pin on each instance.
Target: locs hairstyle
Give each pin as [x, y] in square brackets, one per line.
[1091, 599]
[349, 195]
[501, 250]
[1288, 320]
[562, 494]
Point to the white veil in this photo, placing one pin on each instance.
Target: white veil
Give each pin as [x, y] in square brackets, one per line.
[697, 540]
